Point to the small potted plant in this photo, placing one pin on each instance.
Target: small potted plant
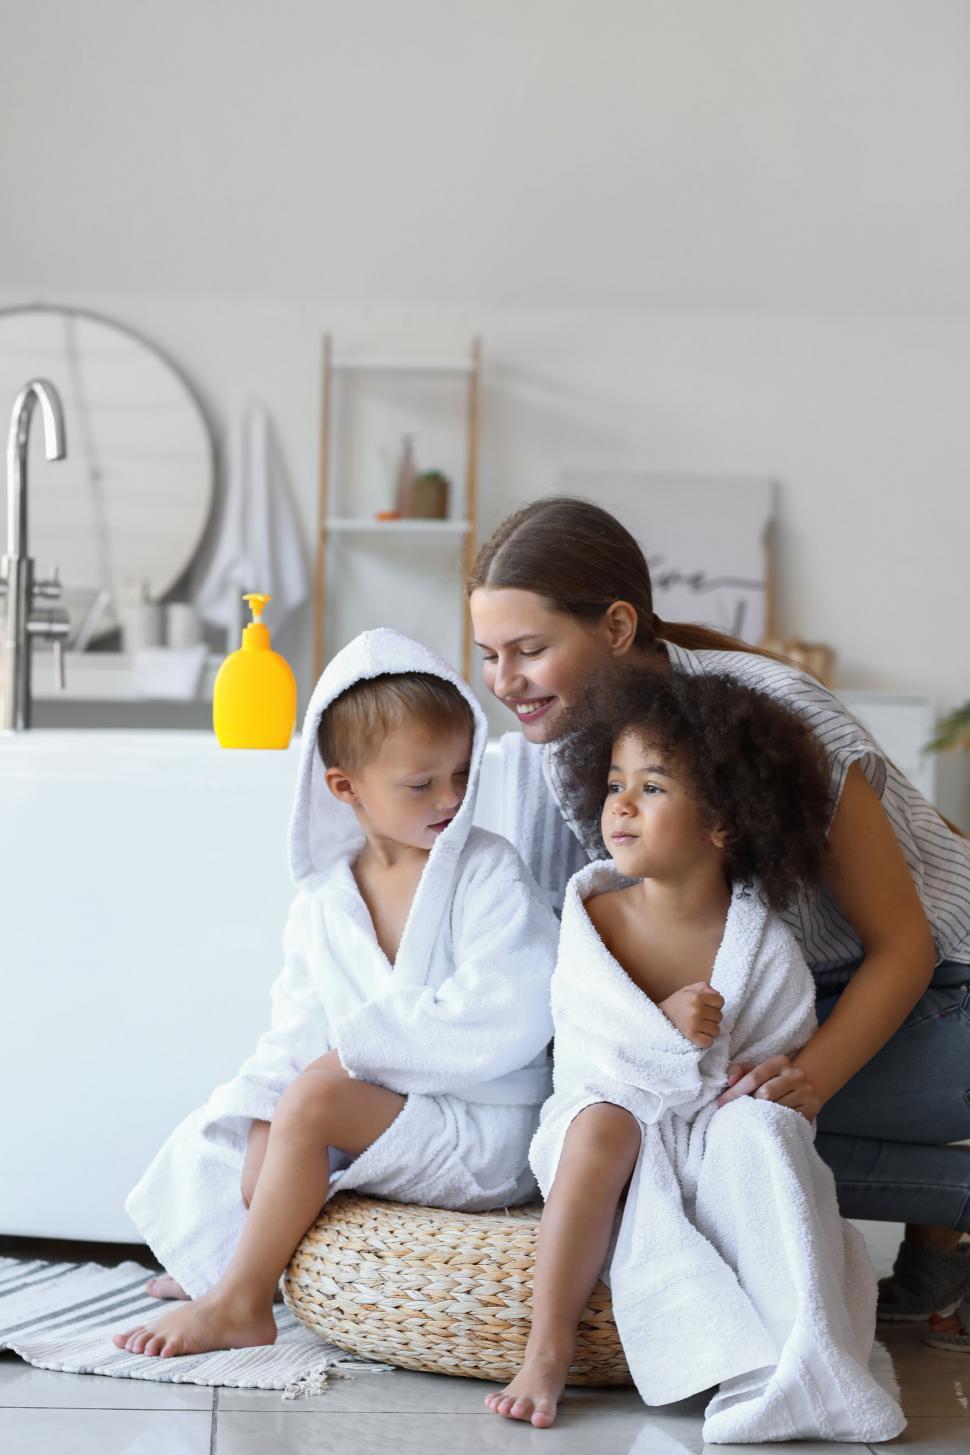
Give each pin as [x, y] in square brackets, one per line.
[952, 731]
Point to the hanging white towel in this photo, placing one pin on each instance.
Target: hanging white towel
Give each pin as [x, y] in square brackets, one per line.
[459, 1024]
[258, 544]
[731, 1264]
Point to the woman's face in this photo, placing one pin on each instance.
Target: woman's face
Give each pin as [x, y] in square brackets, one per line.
[534, 659]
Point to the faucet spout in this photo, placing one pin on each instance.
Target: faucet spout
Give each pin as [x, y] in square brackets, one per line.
[42, 392]
[19, 621]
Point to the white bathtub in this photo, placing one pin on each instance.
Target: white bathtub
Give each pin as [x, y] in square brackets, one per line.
[144, 884]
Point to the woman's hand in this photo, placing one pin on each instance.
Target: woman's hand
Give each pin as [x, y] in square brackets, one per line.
[696, 1012]
[777, 1079]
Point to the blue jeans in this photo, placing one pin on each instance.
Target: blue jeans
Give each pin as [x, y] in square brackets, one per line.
[884, 1133]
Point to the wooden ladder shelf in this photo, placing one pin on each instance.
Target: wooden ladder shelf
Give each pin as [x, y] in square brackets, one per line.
[465, 531]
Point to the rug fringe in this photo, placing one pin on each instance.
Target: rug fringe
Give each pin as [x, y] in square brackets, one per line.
[317, 1381]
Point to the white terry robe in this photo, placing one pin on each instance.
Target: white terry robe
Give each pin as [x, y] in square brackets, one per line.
[460, 1023]
[731, 1265]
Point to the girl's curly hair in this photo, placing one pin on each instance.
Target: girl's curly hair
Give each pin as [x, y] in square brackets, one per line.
[751, 764]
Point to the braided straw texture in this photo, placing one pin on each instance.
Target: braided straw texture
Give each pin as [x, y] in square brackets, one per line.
[446, 1292]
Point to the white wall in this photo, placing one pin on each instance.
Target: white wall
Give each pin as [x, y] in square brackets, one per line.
[695, 237]
[682, 153]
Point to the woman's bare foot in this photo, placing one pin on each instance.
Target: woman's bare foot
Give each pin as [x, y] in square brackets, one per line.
[164, 1286]
[215, 1321]
[534, 1393]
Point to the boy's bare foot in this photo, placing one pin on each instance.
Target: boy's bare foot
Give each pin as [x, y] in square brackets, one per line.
[534, 1393]
[214, 1321]
[164, 1286]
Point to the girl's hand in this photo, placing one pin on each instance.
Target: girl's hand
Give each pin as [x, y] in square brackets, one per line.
[777, 1079]
[696, 1012]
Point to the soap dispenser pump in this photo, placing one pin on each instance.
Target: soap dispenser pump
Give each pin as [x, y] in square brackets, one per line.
[254, 698]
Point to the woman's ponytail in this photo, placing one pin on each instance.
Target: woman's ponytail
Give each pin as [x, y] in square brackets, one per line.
[580, 559]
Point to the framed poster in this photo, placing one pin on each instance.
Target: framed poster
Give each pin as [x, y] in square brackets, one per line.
[706, 540]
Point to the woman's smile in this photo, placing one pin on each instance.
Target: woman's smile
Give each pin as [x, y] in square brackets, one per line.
[529, 708]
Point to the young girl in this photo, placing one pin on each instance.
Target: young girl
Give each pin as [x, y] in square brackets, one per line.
[731, 1265]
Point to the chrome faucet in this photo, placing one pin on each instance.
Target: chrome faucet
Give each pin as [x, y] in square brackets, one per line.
[21, 620]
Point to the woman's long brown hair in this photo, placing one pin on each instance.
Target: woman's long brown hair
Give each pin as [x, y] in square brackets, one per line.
[580, 559]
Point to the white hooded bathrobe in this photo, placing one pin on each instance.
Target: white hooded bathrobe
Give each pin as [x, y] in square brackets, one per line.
[459, 1024]
[731, 1265]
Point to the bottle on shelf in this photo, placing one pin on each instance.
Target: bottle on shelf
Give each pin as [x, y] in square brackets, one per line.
[407, 472]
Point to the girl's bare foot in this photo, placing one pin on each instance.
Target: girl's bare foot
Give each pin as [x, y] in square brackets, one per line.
[164, 1286]
[534, 1393]
[215, 1321]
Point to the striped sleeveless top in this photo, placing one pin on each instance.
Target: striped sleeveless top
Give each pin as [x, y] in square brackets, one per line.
[537, 819]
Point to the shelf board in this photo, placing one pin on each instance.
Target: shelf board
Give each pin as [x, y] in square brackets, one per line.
[408, 526]
[400, 364]
[105, 677]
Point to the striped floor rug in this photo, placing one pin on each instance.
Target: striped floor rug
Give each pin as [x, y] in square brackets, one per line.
[62, 1315]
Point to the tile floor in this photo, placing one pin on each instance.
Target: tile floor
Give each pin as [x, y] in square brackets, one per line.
[42, 1413]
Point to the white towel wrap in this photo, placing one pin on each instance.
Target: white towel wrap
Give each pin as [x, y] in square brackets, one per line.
[731, 1264]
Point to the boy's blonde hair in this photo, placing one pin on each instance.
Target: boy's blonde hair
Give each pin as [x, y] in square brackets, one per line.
[356, 723]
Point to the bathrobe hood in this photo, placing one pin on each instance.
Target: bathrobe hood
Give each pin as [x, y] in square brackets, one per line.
[325, 832]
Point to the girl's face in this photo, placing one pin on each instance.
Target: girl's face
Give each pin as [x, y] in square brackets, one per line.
[537, 660]
[651, 824]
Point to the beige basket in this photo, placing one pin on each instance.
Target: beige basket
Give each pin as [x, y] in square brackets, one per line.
[446, 1292]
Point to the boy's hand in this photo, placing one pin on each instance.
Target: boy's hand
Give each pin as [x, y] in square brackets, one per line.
[696, 1012]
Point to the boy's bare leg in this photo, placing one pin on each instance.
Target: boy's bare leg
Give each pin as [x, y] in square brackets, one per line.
[322, 1108]
[599, 1154]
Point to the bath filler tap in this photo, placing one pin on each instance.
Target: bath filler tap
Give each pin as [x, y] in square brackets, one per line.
[21, 619]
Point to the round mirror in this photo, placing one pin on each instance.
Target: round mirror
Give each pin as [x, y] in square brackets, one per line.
[130, 502]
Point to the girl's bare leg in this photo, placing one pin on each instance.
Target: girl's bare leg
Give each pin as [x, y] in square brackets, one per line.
[255, 1157]
[164, 1285]
[599, 1154]
[322, 1108]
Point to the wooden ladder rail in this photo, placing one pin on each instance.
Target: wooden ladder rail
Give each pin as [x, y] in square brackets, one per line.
[472, 425]
[323, 507]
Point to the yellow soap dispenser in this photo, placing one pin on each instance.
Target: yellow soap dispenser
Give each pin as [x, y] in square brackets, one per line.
[254, 698]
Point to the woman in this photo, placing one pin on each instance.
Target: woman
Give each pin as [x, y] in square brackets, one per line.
[559, 592]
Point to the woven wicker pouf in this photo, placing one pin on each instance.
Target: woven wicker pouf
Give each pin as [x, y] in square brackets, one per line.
[446, 1292]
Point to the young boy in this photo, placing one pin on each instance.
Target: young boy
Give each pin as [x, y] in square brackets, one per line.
[407, 1052]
